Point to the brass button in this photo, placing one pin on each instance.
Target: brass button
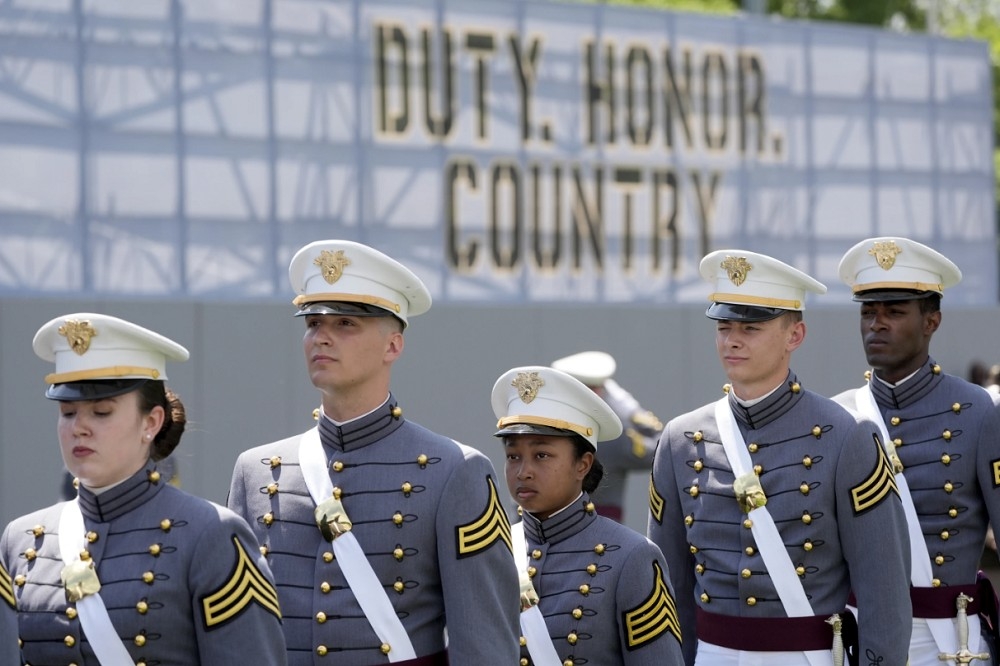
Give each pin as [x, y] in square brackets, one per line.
[589, 507]
[272, 488]
[817, 431]
[751, 601]
[142, 608]
[38, 530]
[939, 560]
[328, 556]
[30, 554]
[800, 570]
[268, 518]
[275, 461]
[324, 587]
[321, 650]
[71, 613]
[946, 435]
[397, 518]
[337, 493]
[407, 488]
[936, 582]
[804, 488]
[69, 641]
[747, 523]
[694, 491]
[398, 586]
[92, 537]
[398, 554]
[894, 420]
[807, 518]
[532, 572]
[808, 545]
[592, 569]
[745, 573]
[758, 469]
[948, 487]
[946, 459]
[945, 535]
[693, 548]
[166, 524]
[699, 568]
[153, 476]
[705, 598]
[422, 460]
[749, 550]
[796, 387]
[155, 550]
[337, 466]
[140, 640]
[689, 520]
[752, 447]
[698, 465]
[321, 617]
[385, 648]
[84, 556]
[148, 577]
[697, 437]
[599, 549]
[572, 638]
[20, 580]
[953, 512]
[584, 589]
[264, 550]
[577, 613]
[536, 554]
[897, 442]
[807, 462]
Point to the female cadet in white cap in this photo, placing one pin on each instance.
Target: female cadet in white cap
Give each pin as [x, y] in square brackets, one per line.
[134, 570]
[593, 591]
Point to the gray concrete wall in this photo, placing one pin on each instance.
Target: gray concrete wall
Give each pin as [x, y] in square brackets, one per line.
[246, 384]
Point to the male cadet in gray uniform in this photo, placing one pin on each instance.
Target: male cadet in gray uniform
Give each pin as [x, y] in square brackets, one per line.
[630, 451]
[941, 432]
[773, 502]
[9, 649]
[430, 544]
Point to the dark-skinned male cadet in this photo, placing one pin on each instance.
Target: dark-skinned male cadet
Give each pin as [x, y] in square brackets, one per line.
[380, 533]
[941, 432]
[632, 450]
[771, 503]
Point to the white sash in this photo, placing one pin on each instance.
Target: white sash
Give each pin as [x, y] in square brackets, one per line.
[536, 633]
[94, 620]
[921, 574]
[779, 565]
[357, 570]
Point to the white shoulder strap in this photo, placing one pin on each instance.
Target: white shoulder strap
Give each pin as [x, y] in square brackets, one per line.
[921, 573]
[94, 620]
[536, 633]
[357, 569]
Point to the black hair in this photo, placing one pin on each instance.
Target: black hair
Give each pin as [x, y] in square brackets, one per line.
[154, 393]
[596, 473]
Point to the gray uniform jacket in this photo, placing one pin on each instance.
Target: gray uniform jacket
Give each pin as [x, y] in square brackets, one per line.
[427, 513]
[604, 590]
[182, 579]
[631, 451]
[9, 650]
[829, 491]
[947, 435]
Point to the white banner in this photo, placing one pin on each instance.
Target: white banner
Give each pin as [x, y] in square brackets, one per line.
[505, 150]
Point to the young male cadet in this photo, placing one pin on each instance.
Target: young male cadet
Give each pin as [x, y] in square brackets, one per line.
[381, 534]
[941, 433]
[772, 503]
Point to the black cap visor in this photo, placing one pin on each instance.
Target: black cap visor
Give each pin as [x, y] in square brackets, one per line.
[532, 429]
[342, 308]
[97, 389]
[890, 295]
[740, 312]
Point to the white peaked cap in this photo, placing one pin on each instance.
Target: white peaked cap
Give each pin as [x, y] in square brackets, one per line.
[332, 271]
[593, 368]
[88, 347]
[754, 287]
[894, 268]
[542, 400]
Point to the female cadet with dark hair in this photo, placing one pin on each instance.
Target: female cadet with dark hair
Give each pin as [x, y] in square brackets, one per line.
[133, 570]
[592, 591]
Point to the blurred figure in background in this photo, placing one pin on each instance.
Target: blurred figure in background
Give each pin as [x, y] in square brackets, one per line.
[633, 449]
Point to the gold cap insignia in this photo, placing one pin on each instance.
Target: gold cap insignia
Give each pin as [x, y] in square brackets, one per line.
[737, 268]
[332, 264]
[885, 253]
[527, 385]
[78, 334]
